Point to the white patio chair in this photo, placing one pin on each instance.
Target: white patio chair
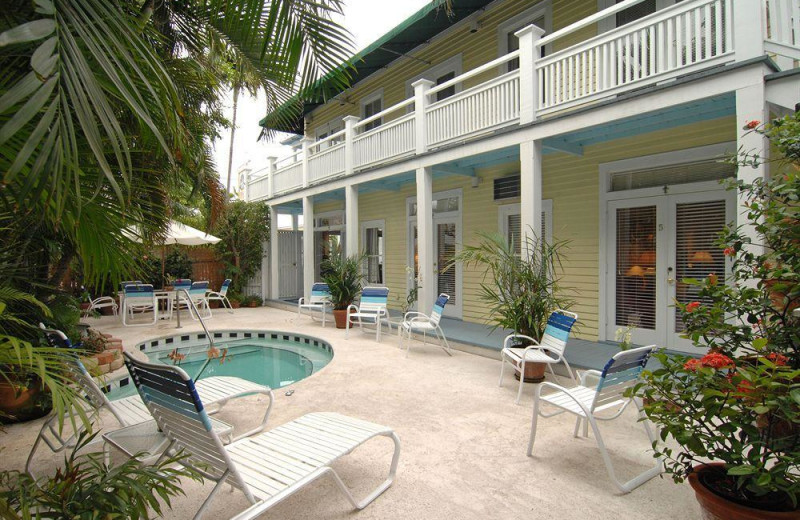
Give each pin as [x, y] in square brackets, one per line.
[418, 322]
[589, 403]
[101, 303]
[197, 294]
[320, 301]
[138, 299]
[371, 310]
[128, 411]
[221, 295]
[549, 351]
[267, 468]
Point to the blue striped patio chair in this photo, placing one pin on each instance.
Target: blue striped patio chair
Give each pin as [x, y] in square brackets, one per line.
[197, 294]
[371, 310]
[320, 301]
[604, 402]
[550, 350]
[221, 295]
[138, 299]
[268, 467]
[418, 322]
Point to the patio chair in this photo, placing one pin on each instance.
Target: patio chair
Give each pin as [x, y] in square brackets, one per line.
[589, 403]
[550, 350]
[138, 298]
[221, 295]
[320, 301]
[267, 468]
[197, 294]
[418, 322]
[101, 303]
[129, 411]
[371, 310]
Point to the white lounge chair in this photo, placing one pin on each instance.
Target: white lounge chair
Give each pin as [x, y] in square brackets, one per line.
[101, 303]
[197, 294]
[320, 301]
[267, 468]
[139, 298]
[589, 403]
[371, 310]
[550, 350]
[221, 295]
[418, 322]
[128, 411]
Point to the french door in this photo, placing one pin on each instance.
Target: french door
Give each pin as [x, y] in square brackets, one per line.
[447, 277]
[654, 244]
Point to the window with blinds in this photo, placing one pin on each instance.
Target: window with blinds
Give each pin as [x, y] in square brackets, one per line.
[371, 108]
[513, 230]
[672, 175]
[697, 227]
[636, 267]
[446, 250]
[373, 253]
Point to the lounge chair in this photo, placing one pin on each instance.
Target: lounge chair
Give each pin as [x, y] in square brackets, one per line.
[371, 310]
[589, 402]
[550, 350]
[267, 468]
[128, 411]
[139, 298]
[101, 303]
[320, 301]
[418, 322]
[221, 295]
[197, 294]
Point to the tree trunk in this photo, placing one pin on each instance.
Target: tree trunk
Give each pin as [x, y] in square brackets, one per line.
[233, 135]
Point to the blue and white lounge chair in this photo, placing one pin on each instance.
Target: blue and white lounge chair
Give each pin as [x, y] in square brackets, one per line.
[320, 301]
[221, 295]
[418, 322]
[371, 310]
[550, 350]
[589, 403]
[197, 294]
[267, 468]
[139, 298]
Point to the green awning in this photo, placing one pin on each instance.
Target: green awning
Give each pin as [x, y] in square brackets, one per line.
[417, 29]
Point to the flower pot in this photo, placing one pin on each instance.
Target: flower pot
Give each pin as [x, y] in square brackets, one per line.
[715, 506]
[534, 372]
[340, 317]
[235, 304]
[20, 403]
[85, 307]
[252, 305]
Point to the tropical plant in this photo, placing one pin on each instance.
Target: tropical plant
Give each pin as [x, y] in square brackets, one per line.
[242, 230]
[520, 289]
[86, 487]
[739, 405]
[344, 277]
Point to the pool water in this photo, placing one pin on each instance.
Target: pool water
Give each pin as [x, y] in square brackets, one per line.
[273, 363]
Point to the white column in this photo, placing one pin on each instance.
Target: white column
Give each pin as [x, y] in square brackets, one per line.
[351, 220]
[271, 172]
[306, 142]
[528, 84]
[749, 29]
[530, 158]
[246, 194]
[308, 246]
[349, 134]
[421, 88]
[274, 258]
[751, 105]
[427, 291]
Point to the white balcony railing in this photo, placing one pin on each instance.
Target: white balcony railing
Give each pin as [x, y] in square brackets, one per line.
[687, 37]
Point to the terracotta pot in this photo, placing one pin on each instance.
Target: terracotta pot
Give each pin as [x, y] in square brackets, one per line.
[716, 507]
[85, 306]
[252, 305]
[340, 317]
[534, 372]
[19, 404]
[235, 304]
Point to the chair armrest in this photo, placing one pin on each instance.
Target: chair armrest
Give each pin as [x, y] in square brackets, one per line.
[566, 391]
[411, 314]
[586, 374]
[419, 319]
[301, 300]
[516, 336]
[352, 306]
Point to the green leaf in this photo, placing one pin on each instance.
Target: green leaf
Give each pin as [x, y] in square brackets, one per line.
[28, 110]
[795, 395]
[760, 343]
[43, 60]
[44, 7]
[28, 32]
[22, 89]
[745, 469]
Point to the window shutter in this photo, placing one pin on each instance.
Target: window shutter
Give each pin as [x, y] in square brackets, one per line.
[507, 187]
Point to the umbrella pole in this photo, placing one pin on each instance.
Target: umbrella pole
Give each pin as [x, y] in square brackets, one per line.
[163, 265]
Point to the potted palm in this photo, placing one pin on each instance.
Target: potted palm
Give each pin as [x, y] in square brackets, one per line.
[520, 286]
[735, 413]
[344, 278]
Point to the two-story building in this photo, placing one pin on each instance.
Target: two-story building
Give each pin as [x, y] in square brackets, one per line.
[595, 122]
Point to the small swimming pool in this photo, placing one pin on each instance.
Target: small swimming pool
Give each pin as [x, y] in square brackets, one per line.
[271, 358]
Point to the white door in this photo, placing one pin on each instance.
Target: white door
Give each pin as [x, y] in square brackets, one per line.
[654, 243]
[290, 264]
[446, 237]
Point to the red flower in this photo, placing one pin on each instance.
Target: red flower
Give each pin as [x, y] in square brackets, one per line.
[717, 360]
[692, 365]
[778, 359]
[729, 251]
[691, 307]
[752, 124]
[745, 387]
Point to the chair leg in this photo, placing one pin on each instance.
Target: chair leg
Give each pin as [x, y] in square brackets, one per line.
[502, 367]
[207, 501]
[534, 422]
[443, 340]
[521, 379]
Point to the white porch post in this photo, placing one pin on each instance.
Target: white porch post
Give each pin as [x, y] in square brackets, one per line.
[306, 174]
[351, 220]
[246, 194]
[274, 260]
[349, 134]
[421, 88]
[749, 29]
[271, 172]
[427, 291]
[530, 158]
[751, 105]
[528, 84]
[308, 246]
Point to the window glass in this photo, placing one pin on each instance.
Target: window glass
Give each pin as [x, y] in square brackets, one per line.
[373, 249]
[632, 14]
[513, 42]
[370, 109]
[449, 91]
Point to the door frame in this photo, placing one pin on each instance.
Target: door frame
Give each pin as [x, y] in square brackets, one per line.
[606, 170]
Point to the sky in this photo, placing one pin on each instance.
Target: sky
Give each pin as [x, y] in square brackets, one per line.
[366, 23]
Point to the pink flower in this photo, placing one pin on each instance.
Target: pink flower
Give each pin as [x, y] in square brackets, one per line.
[752, 124]
[729, 251]
[692, 306]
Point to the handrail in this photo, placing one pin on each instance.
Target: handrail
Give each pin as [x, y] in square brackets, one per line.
[585, 22]
[193, 307]
[474, 72]
[396, 106]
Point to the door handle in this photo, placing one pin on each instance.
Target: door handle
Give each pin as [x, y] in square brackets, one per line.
[670, 279]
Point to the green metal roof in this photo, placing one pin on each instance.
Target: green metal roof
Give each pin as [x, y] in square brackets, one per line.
[417, 29]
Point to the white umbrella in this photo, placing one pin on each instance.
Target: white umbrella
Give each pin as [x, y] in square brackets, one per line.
[178, 233]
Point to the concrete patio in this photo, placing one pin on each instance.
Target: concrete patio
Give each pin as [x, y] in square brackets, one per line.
[463, 438]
